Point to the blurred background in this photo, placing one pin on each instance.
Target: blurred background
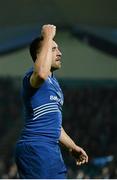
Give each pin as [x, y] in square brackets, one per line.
[87, 37]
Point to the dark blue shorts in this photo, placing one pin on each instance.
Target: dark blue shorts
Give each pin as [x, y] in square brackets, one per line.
[39, 161]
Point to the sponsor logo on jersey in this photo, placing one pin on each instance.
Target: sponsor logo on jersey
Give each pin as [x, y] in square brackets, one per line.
[55, 98]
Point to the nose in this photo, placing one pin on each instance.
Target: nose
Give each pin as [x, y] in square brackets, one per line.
[59, 53]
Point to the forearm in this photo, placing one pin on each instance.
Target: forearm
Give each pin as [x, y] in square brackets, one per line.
[66, 140]
[43, 62]
[79, 154]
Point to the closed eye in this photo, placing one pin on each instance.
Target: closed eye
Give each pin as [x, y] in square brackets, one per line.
[54, 48]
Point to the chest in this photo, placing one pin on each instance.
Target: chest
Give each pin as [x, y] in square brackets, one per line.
[50, 92]
[55, 91]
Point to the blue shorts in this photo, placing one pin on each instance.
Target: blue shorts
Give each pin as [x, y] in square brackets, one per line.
[39, 161]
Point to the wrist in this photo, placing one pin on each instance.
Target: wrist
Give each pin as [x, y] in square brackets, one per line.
[47, 37]
[74, 147]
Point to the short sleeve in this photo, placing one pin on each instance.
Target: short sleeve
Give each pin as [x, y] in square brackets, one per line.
[27, 88]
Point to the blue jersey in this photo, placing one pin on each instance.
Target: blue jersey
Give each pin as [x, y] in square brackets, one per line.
[43, 109]
[38, 153]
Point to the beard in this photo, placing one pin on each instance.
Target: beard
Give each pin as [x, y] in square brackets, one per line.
[55, 66]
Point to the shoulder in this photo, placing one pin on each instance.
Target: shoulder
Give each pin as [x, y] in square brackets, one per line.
[28, 73]
[26, 78]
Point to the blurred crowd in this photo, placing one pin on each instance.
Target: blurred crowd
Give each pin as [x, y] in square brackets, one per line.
[89, 117]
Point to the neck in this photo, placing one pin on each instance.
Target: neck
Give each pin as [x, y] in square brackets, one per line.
[51, 73]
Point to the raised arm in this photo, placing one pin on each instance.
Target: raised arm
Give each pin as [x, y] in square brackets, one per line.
[79, 154]
[43, 61]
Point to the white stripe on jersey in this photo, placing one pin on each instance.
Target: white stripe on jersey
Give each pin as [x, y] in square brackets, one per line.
[44, 109]
[49, 111]
[54, 103]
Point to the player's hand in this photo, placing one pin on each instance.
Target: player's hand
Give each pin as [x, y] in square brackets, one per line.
[48, 31]
[80, 155]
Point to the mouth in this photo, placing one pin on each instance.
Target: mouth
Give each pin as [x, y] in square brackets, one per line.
[58, 59]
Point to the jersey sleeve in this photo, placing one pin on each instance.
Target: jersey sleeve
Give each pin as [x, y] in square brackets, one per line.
[28, 89]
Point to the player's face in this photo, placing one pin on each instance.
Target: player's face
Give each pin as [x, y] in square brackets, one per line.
[56, 57]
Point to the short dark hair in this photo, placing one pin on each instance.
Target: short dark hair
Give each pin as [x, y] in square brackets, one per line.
[34, 47]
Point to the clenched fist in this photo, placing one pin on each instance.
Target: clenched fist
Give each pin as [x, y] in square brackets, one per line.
[48, 31]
